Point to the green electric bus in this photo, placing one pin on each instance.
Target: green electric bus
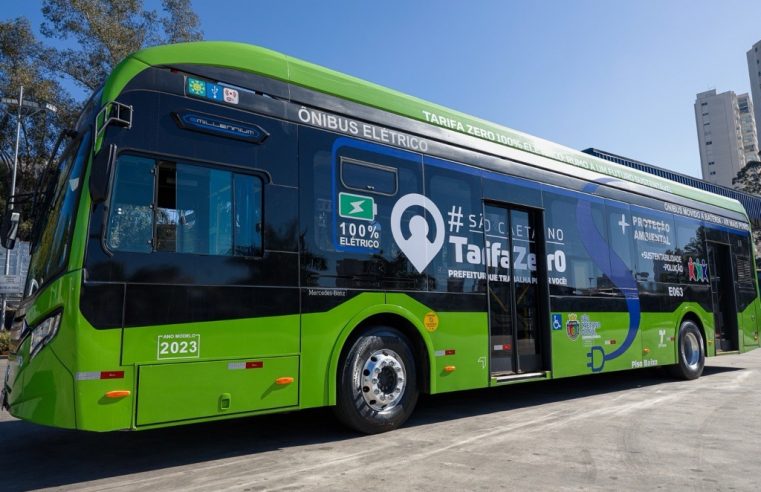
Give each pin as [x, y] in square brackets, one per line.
[231, 232]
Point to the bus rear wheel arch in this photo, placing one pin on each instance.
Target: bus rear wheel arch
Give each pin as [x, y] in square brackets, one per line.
[377, 387]
[691, 351]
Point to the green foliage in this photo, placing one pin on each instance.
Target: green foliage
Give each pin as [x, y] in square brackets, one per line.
[749, 178]
[105, 31]
[5, 340]
[749, 181]
[19, 65]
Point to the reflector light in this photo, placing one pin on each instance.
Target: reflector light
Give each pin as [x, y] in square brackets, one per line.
[89, 376]
[112, 375]
[254, 365]
[449, 352]
[118, 393]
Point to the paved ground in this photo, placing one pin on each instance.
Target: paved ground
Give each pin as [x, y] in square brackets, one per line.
[633, 430]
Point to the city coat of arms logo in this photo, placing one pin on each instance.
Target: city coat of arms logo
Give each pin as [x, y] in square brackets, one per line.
[572, 327]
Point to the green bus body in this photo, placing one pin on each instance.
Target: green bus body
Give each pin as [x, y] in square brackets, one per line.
[340, 206]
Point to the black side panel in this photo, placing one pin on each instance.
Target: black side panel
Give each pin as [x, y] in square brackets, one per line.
[155, 130]
[274, 269]
[102, 304]
[166, 304]
[315, 300]
[591, 304]
[452, 301]
[161, 287]
[654, 297]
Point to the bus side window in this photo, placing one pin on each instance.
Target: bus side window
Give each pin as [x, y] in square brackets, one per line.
[248, 216]
[365, 176]
[130, 219]
[459, 193]
[198, 210]
[199, 218]
[657, 257]
[743, 275]
[574, 270]
[621, 239]
[690, 245]
[166, 208]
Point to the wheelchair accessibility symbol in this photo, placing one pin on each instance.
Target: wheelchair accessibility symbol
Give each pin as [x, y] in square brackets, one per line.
[557, 321]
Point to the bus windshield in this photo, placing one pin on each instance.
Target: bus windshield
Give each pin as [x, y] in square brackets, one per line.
[51, 249]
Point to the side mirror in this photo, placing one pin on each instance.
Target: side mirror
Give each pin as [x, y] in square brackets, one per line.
[9, 229]
[101, 172]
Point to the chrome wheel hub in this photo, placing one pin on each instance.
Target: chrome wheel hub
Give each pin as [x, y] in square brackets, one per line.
[691, 350]
[383, 380]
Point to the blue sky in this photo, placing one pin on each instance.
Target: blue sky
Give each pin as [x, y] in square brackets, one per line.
[619, 76]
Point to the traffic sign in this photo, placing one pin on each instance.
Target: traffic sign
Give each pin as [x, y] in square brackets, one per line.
[29, 104]
[11, 285]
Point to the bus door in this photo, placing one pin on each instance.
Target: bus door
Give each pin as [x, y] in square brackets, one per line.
[723, 297]
[514, 280]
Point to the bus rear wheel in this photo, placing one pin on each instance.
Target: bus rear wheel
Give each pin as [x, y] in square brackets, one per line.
[690, 352]
[377, 384]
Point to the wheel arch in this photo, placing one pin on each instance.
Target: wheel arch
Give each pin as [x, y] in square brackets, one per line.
[394, 317]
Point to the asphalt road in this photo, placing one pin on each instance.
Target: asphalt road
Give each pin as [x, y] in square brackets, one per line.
[636, 430]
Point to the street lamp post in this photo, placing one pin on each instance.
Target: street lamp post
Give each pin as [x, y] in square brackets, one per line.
[21, 103]
[13, 182]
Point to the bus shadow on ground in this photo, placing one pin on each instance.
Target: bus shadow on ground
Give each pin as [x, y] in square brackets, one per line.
[463, 404]
[33, 457]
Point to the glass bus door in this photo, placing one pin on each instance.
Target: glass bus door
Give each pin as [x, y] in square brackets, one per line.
[723, 297]
[513, 290]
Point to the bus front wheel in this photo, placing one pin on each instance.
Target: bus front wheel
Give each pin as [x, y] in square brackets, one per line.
[377, 384]
[690, 352]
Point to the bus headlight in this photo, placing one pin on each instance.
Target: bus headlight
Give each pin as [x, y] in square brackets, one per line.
[43, 333]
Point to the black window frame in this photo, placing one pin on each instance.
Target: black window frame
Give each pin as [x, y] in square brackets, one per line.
[158, 160]
[371, 165]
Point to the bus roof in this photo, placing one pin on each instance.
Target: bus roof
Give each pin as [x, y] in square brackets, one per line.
[261, 61]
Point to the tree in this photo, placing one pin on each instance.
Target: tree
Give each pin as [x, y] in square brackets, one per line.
[109, 30]
[749, 181]
[19, 65]
[105, 32]
[749, 178]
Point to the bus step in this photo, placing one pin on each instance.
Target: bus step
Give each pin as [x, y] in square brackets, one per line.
[517, 377]
[727, 352]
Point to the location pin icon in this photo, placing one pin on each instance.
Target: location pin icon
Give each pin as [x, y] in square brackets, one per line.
[417, 248]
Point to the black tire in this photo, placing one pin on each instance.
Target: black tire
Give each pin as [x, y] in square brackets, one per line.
[357, 403]
[691, 355]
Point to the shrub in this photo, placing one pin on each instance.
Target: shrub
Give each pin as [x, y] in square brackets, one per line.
[5, 340]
